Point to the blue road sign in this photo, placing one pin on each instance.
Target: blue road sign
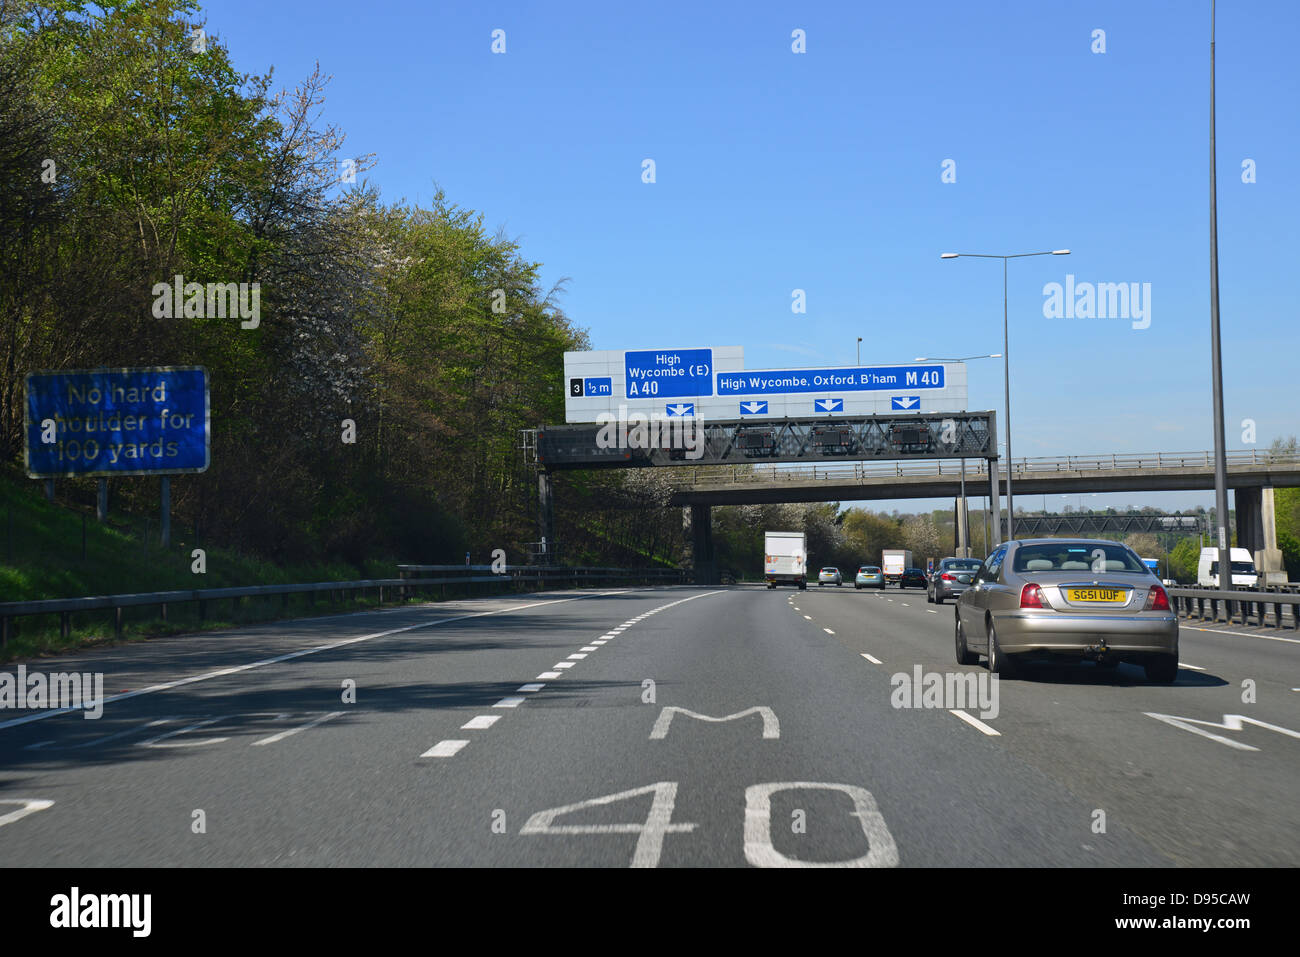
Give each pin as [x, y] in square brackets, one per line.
[680, 409]
[753, 408]
[151, 421]
[668, 373]
[905, 402]
[856, 379]
[598, 386]
[829, 405]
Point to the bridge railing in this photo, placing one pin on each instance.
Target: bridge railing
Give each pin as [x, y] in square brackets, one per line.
[978, 468]
[403, 587]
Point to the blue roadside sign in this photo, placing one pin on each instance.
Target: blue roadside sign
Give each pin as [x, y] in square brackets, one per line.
[148, 421]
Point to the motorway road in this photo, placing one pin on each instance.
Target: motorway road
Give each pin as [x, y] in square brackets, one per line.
[539, 730]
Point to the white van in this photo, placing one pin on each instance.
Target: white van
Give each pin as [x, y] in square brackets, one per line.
[1243, 568]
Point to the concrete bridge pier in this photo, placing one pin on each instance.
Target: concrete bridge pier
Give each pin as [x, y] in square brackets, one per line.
[1257, 532]
[706, 565]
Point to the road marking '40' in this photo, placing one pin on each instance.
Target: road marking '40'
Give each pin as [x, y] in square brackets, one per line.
[759, 850]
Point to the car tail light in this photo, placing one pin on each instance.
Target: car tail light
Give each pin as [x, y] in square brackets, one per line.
[1031, 596]
[946, 577]
[1157, 599]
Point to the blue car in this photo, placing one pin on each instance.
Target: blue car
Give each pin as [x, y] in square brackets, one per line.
[869, 576]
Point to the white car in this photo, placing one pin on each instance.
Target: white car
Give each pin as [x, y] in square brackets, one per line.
[830, 576]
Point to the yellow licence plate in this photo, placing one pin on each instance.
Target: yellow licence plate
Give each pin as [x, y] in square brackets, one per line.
[1095, 594]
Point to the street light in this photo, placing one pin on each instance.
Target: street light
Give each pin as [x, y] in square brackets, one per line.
[965, 518]
[859, 350]
[1006, 358]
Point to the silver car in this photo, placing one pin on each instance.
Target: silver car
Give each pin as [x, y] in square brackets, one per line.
[1082, 599]
[951, 578]
[830, 576]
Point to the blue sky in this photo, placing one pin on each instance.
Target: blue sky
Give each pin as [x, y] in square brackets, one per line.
[822, 171]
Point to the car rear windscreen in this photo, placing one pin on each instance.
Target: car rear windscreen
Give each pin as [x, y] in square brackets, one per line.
[1076, 556]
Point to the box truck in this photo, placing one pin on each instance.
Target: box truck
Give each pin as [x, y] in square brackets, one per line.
[1243, 569]
[894, 561]
[786, 559]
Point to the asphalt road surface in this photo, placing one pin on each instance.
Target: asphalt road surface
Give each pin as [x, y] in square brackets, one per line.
[584, 728]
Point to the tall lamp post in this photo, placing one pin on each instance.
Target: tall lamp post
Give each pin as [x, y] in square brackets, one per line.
[1006, 357]
[859, 350]
[1216, 358]
[965, 518]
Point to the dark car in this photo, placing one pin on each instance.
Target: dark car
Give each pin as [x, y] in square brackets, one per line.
[913, 576]
[951, 578]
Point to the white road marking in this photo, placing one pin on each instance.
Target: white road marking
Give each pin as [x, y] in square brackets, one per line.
[549, 675]
[932, 611]
[828, 631]
[871, 658]
[153, 742]
[1239, 634]
[564, 664]
[600, 642]
[587, 648]
[530, 687]
[809, 617]
[975, 722]
[771, 726]
[889, 599]
[576, 656]
[1231, 722]
[509, 703]
[649, 844]
[760, 852]
[608, 635]
[221, 673]
[1183, 664]
[906, 605]
[28, 806]
[302, 727]
[480, 721]
[444, 749]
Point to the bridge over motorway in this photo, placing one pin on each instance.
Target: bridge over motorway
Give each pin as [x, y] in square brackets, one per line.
[942, 478]
[1252, 474]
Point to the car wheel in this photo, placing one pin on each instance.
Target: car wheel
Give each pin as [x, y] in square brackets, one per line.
[1001, 665]
[1162, 669]
[964, 655]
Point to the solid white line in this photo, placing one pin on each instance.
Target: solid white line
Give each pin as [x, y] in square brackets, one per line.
[221, 673]
[828, 631]
[975, 722]
[509, 703]
[1239, 634]
[444, 749]
[564, 664]
[549, 675]
[871, 658]
[310, 724]
[576, 656]
[530, 687]
[480, 721]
